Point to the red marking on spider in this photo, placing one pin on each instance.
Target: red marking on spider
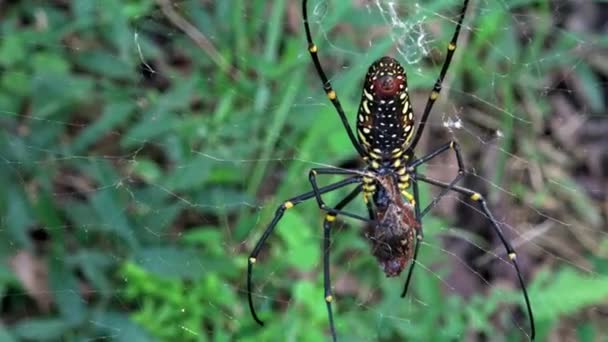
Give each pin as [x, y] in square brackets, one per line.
[387, 86]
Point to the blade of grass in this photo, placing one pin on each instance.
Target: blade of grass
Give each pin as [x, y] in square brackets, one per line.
[277, 122]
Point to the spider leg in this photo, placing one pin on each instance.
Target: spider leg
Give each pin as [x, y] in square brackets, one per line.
[437, 88]
[328, 222]
[452, 145]
[331, 94]
[419, 236]
[478, 198]
[277, 217]
[312, 177]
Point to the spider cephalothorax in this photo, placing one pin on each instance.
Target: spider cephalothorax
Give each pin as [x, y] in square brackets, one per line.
[386, 142]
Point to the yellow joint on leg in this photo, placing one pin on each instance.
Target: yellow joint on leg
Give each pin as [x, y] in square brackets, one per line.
[252, 260]
[452, 46]
[452, 145]
[434, 95]
[476, 196]
[512, 256]
[288, 205]
[329, 298]
[419, 237]
[330, 217]
[331, 95]
[312, 48]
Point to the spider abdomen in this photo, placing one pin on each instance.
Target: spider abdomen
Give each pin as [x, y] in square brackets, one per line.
[385, 119]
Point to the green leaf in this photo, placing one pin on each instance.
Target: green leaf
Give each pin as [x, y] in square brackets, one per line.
[149, 128]
[12, 50]
[302, 250]
[105, 64]
[41, 329]
[189, 175]
[120, 327]
[52, 63]
[114, 114]
[66, 292]
[174, 262]
[566, 293]
[147, 169]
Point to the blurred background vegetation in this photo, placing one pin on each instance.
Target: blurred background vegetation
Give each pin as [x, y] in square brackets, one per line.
[146, 144]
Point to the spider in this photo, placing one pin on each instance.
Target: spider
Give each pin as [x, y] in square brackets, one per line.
[385, 140]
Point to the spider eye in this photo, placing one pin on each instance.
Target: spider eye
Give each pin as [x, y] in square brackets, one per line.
[387, 85]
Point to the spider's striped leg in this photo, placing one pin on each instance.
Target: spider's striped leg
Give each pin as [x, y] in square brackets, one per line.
[277, 217]
[331, 94]
[419, 235]
[438, 84]
[478, 198]
[330, 218]
[312, 177]
[452, 145]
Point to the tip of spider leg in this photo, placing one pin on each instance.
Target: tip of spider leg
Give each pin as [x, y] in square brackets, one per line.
[258, 321]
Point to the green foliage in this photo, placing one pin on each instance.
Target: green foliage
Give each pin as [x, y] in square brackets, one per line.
[138, 173]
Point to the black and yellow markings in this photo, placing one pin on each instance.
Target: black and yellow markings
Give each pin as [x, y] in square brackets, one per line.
[330, 217]
[329, 298]
[476, 196]
[434, 95]
[312, 48]
[363, 138]
[512, 256]
[375, 153]
[397, 152]
[409, 197]
[252, 260]
[369, 186]
[366, 107]
[288, 205]
[452, 46]
[406, 106]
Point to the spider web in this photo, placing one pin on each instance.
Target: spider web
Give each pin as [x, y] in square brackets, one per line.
[148, 144]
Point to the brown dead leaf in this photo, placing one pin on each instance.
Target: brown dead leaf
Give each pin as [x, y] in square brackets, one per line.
[33, 275]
